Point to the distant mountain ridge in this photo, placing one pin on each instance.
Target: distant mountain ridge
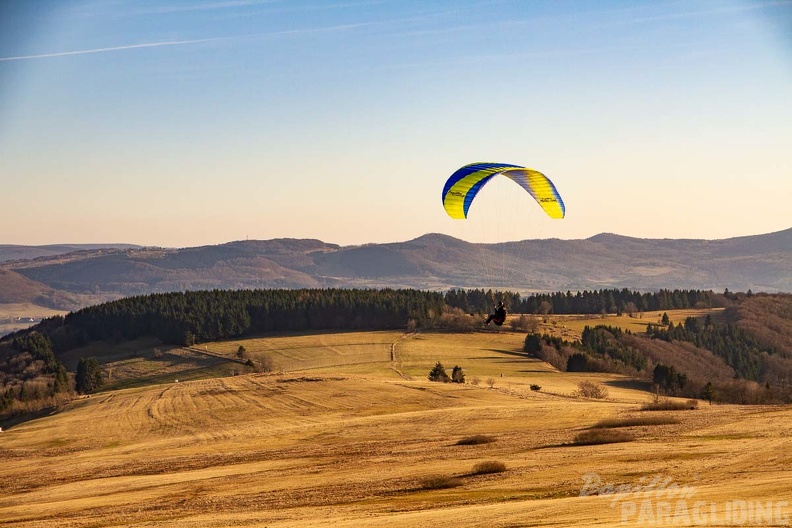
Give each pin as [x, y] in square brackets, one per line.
[10, 252]
[432, 262]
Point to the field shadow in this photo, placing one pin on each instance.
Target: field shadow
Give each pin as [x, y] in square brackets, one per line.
[521, 355]
[174, 366]
[19, 419]
[639, 385]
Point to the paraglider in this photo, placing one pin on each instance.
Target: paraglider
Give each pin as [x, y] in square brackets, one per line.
[462, 187]
[498, 316]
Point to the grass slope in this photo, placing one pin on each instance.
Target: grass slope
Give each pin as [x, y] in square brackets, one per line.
[354, 444]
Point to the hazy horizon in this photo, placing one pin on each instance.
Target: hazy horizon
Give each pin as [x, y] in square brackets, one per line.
[181, 124]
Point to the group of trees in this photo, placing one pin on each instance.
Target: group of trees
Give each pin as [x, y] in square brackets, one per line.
[88, 377]
[601, 349]
[606, 341]
[767, 317]
[668, 379]
[31, 375]
[585, 302]
[737, 347]
[30, 371]
[438, 373]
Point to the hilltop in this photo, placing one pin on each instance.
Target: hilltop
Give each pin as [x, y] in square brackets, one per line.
[10, 252]
[430, 262]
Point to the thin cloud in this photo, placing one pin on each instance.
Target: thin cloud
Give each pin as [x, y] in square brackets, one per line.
[715, 11]
[214, 6]
[114, 48]
[284, 33]
[272, 6]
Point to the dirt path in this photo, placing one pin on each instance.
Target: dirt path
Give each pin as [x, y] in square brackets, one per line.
[394, 358]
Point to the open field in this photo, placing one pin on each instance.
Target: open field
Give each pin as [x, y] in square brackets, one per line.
[18, 316]
[312, 351]
[370, 442]
[571, 326]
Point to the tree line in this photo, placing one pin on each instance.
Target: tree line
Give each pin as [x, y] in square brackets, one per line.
[186, 318]
[616, 301]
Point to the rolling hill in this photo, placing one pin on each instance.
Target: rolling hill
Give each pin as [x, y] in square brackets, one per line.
[432, 261]
[18, 289]
[345, 437]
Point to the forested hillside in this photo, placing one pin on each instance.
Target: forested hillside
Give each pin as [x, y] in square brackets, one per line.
[747, 359]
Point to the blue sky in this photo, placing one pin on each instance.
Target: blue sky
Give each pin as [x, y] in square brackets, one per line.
[181, 123]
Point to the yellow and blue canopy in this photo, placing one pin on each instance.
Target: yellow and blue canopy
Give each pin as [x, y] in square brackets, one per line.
[464, 184]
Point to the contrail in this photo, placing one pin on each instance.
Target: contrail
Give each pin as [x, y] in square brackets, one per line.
[116, 48]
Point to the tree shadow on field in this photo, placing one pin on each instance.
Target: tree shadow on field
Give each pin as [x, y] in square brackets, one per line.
[18, 419]
[179, 363]
[630, 384]
[521, 355]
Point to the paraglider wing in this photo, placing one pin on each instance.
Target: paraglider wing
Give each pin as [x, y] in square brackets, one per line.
[464, 184]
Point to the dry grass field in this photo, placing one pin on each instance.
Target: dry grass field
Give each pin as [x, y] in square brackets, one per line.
[571, 326]
[348, 432]
[31, 314]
